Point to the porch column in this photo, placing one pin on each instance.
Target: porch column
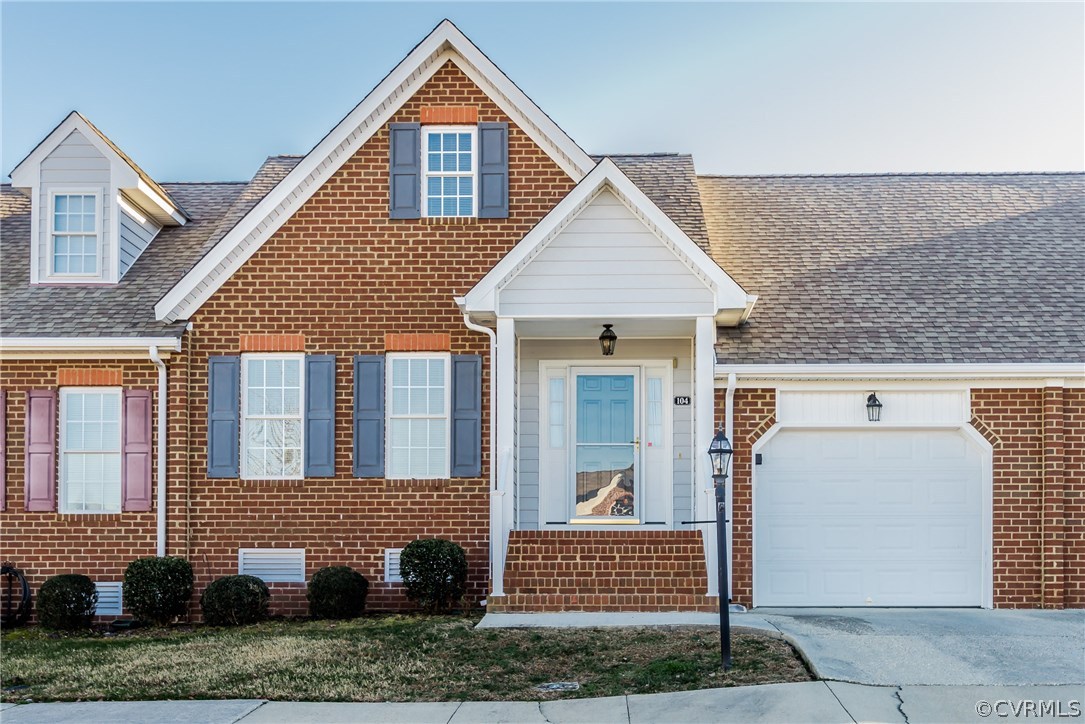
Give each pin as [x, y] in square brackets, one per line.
[704, 394]
[502, 502]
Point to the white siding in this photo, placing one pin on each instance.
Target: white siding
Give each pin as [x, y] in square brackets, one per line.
[135, 237]
[74, 163]
[848, 408]
[532, 351]
[605, 262]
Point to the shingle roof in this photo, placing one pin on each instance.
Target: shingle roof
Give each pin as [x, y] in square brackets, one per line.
[127, 308]
[670, 181]
[903, 268]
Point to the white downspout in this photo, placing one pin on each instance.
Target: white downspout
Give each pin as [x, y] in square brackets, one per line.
[729, 430]
[497, 572]
[162, 397]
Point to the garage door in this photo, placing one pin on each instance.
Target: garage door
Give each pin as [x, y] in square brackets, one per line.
[875, 518]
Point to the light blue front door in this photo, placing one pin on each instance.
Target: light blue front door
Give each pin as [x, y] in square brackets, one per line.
[606, 445]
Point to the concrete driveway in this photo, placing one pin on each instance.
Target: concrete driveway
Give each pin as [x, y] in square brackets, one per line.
[929, 646]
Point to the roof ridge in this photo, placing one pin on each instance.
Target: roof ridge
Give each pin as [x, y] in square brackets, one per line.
[891, 174]
[651, 154]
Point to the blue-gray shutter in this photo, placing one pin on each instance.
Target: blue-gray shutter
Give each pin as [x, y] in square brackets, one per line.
[320, 416]
[466, 416]
[493, 170]
[404, 170]
[369, 416]
[224, 417]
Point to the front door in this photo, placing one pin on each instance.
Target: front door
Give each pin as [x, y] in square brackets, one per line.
[607, 446]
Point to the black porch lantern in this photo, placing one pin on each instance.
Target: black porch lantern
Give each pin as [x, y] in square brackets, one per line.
[719, 452]
[873, 408]
[608, 340]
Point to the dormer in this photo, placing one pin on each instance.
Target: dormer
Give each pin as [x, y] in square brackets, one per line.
[94, 211]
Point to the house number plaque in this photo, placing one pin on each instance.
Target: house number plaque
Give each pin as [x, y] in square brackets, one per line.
[681, 401]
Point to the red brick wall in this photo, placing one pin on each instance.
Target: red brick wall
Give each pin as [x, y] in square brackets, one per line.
[755, 413]
[346, 277]
[46, 544]
[1074, 495]
[608, 570]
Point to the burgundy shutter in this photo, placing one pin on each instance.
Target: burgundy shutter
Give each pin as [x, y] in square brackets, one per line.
[41, 450]
[3, 450]
[136, 450]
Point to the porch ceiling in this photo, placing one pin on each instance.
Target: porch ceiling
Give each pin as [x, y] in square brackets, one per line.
[591, 327]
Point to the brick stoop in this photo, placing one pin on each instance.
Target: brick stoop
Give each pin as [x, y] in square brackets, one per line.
[592, 570]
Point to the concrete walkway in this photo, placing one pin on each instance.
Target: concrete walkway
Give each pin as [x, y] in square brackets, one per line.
[814, 702]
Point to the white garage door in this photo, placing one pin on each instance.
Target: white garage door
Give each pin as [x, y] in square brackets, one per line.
[877, 518]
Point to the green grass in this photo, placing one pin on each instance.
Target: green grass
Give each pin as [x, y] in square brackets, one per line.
[381, 658]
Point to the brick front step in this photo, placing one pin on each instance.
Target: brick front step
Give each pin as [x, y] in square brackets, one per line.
[592, 570]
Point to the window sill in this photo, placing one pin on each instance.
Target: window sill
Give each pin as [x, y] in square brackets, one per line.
[271, 481]
[450, 220]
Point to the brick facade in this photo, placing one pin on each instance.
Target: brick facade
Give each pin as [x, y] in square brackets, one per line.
[593, 570]
[392, 289]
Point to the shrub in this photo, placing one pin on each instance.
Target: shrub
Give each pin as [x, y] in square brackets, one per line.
[67, 602]
[434, 572]
[157, 590]
[235, 601]
[337, 592]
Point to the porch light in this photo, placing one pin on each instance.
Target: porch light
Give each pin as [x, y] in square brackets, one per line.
[608, 340]
[873, 407]
[720, 453]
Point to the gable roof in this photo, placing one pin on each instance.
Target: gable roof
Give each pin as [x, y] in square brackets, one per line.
[164, 207]
[446, 43]
[909, 268]
[482, 299]
[125, 309]
[670, 181]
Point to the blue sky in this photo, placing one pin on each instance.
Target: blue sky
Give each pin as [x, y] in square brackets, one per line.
[204, 91]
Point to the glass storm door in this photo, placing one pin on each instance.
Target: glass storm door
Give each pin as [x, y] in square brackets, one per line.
[606, 446]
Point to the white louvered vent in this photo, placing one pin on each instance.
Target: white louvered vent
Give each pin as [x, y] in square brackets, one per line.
[391, 565]
[109, 599]
[272, 565]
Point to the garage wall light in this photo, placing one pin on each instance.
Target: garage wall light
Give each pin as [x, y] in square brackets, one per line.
[873, 407]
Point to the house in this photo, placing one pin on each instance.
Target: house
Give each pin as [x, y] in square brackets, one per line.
[397, 336]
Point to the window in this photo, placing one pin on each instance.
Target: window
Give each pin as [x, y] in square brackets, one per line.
[74, 219]
[418, 426]
[90, 450]
[448, 160]
[272, 427]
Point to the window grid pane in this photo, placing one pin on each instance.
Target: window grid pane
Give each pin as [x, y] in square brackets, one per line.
[418, 423]
[91, 451]
[273, 438]
[75, 243]
[450, 182]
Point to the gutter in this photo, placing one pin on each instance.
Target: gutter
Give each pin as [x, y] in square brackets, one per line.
[904, 371]
[160, 548]
[729, 430]
[497, 573]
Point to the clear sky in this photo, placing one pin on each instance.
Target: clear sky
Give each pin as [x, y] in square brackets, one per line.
[204, 91]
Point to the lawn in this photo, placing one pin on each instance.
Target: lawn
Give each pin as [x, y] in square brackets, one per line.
[381, 658]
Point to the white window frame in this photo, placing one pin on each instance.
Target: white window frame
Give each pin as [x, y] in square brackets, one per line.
[427, 174]
[50, 265]
[63, 452]
[388, 416]
[246, 474]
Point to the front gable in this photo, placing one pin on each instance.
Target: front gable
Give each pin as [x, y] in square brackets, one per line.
[445, 46]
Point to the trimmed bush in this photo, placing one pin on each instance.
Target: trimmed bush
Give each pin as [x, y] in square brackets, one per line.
[157, 590]
[434, 573]
[67, 602]
[337, 592]
[235, 601]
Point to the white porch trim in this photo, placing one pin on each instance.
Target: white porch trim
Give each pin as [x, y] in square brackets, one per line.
[704, 504]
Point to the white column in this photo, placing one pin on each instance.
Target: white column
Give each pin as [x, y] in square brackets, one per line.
[502, 511]
[705, 400]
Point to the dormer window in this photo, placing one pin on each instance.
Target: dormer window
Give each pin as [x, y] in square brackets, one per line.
[75, 234]
[449, 170]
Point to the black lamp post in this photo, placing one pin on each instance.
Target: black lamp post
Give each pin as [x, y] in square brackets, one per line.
[873, 407]
[719, 452]
[608, 340]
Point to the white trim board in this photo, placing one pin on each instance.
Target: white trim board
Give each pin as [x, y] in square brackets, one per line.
[1072, 373]
[484, 297]
[445, 43]
[31, 347]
